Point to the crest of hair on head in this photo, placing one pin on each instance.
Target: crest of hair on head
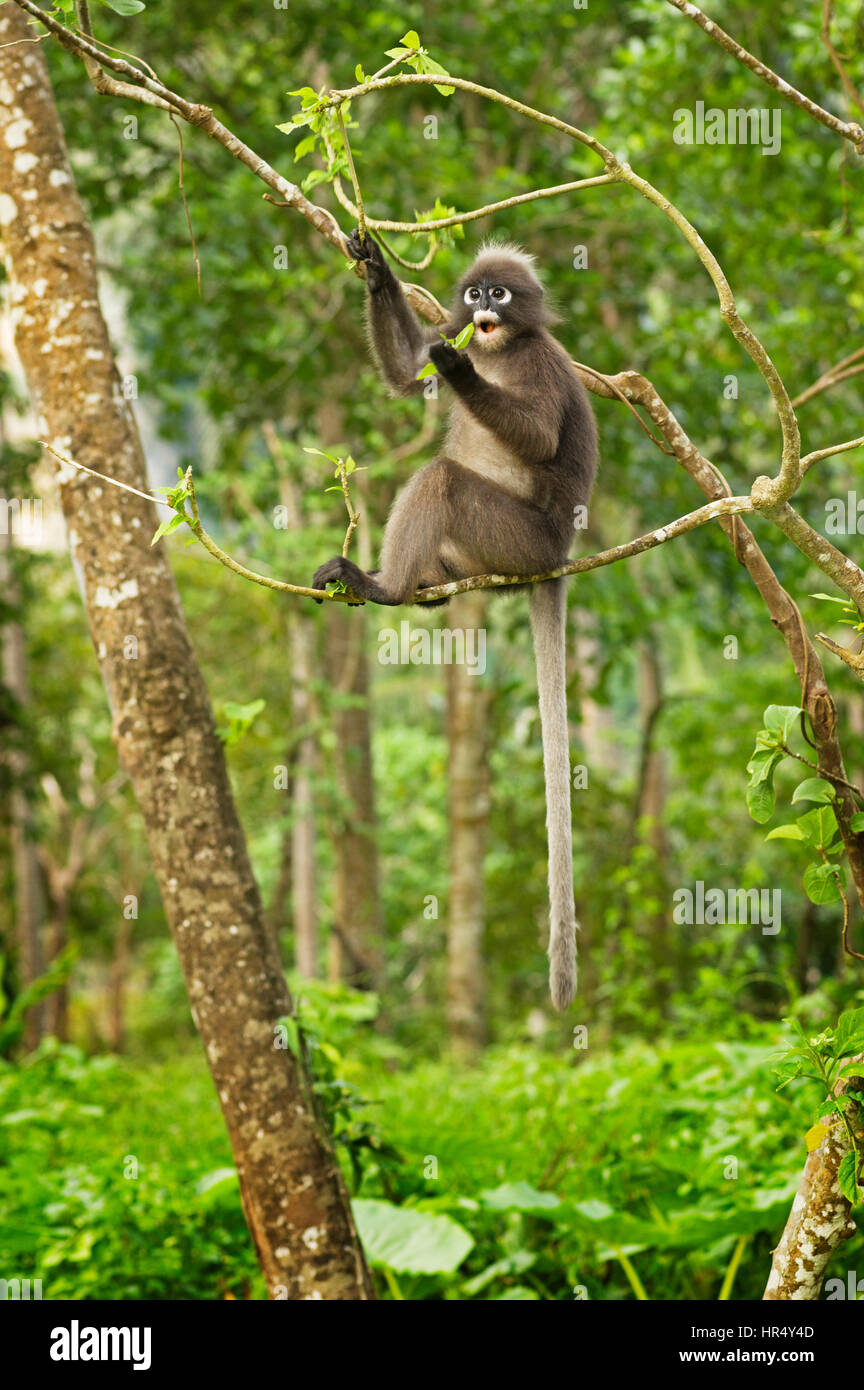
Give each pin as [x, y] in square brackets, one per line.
[497, 246]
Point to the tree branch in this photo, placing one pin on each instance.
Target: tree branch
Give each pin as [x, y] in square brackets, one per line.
[850, 130]
[819, 454]
[765, 491]
[723, 506]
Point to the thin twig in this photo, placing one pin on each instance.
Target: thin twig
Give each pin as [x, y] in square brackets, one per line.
[853, 659]
[826, 776]
[361, 214]
[353, 516]
[173, 119]
[839, 372]
[16, 42]
[819, 454]
[848, 85]
[384, 224]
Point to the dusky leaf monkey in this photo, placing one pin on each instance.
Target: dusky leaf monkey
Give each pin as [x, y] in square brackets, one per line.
[519, 458]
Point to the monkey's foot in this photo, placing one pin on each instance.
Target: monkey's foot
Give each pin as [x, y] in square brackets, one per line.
[341, 571]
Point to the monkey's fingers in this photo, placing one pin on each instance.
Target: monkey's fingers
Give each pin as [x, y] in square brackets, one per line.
[365, 249]
[336, 571]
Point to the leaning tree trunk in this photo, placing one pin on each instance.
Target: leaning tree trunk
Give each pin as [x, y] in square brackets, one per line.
[293, 1196]
[821, 1217]
[468, 742]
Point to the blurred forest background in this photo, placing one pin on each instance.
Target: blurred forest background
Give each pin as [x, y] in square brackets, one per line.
[408, 828]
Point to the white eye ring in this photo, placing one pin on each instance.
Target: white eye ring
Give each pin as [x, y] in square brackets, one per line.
[472, 294]
[501, 295]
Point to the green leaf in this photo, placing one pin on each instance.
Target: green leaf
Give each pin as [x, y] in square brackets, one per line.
[219, 1187]
[788, 1070]
[760, 801]
[519, 1196]
[762, 764]
[846, 1177]
[781, 720]
[411, 39]
[304, 146]
[398, 52]
[832, 598]
[125, 7]
[359, 73]
[429, 370]
[463, 339]
[849, 1033]
[314, 177]
[856, 822]
[427, 64]
[244, 712]
[594, 1210]
[333, 458]
[814, 789]
[820, 883]
[166, 527]
[409, 1241]
[786, 832]
[516, 1263]
[819, 827]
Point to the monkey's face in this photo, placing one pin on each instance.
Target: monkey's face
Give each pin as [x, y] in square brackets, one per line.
[487, 305]
[502, 297]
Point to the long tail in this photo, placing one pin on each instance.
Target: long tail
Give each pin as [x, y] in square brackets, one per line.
[548, 605]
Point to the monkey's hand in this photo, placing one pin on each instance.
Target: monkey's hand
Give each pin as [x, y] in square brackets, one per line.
[379, 276]
[454, 366]
[342, 571]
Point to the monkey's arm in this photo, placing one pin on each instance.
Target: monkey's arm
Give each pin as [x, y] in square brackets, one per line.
[531, 433]
[399, 343]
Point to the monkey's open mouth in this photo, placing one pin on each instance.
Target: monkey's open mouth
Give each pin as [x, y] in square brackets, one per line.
[487, 325]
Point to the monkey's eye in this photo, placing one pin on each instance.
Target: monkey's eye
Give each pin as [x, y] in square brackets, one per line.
[500, 295]
[472, 294]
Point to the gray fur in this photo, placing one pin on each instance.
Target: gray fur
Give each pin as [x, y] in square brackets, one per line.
[520, 456]
[548, 610]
